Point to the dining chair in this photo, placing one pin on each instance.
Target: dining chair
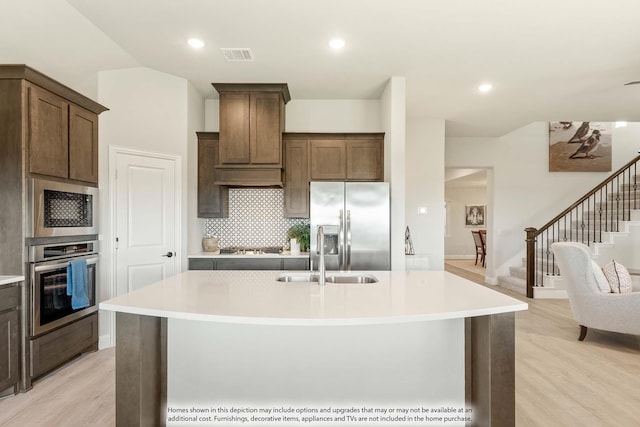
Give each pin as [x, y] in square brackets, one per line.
[480, 246]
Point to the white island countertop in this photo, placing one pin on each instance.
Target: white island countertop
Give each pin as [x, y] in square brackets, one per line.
[255, 297]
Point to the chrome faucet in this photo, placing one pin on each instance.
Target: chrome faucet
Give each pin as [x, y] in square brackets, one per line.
[321, 268]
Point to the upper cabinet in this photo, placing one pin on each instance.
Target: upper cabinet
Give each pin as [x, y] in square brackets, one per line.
[328, 157]
[48, 133]
[252, 119]
[83, 144]
[296, 187]
[213, 200]
[347, 157]
[61, 138]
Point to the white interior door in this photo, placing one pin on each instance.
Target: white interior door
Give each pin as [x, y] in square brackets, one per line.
[147, 209]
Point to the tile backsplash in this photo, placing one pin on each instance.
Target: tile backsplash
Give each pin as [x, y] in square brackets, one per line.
[256, 218]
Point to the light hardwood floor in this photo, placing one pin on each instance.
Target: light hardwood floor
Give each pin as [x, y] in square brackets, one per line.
[559, 380]
[81, 393]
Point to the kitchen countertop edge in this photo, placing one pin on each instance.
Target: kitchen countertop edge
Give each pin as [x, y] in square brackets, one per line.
[255, 298]
[7, 279]
[215, 255]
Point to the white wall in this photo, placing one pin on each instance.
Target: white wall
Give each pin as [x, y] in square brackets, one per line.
[149, 111]
[459, 242]
[333, 115]
[524, 192]
[317, 115]
[394, 123]
[211, 115]
[425, 188]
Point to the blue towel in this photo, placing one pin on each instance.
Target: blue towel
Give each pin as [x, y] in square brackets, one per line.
[77, 283]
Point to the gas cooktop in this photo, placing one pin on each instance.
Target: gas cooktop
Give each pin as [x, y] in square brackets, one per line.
[250, 250]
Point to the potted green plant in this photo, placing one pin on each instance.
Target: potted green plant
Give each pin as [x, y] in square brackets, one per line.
[300, 232]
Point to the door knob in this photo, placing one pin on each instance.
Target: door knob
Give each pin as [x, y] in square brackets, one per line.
[168, 254]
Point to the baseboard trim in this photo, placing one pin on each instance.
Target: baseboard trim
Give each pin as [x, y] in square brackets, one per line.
[104, 342]
[459, 257]
[540, 292]
[491, 280]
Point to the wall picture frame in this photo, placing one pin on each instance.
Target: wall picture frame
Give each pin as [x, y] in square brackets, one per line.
[580, 146]
[475, 215]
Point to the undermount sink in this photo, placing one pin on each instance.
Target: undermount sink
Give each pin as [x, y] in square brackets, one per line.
[341, 278]
[298, 278]
[351, 279]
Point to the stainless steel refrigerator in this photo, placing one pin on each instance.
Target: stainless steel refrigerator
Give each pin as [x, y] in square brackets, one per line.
[356, 219]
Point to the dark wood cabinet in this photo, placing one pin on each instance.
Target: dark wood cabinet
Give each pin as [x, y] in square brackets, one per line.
[55, 348]
[347, 157]
[365, 160]
[9, 343]
[234, 128]
[48, 133]
[328, 160]
[233, 263]
[62, 137]
[328, 157]
[296, 186]
[83, 145]
[252, 119]
[266, 127]
[213, 200]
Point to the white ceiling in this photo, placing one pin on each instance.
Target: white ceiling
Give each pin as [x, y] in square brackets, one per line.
[547, 59]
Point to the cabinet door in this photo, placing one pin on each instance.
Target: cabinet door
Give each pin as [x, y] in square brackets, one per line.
[296, 187]
[8, 349]
[248, 263]
[328, 159]
[202, 264]
[265, 133]
[234, 128]
[364, 160]
[213, 200]
[83, 145]
[295, 264]
[48, 133]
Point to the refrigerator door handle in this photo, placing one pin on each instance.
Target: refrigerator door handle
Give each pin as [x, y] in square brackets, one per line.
[348, 246]
[341, 241]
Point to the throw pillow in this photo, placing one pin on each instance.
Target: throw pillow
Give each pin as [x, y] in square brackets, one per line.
[600, 278]
[618, 277]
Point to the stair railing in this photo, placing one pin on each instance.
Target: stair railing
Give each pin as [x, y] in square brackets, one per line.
[598, 211]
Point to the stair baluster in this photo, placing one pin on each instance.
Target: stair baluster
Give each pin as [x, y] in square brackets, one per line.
[588, 222]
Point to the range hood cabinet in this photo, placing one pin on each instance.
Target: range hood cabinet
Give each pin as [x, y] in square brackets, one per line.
[252, 120]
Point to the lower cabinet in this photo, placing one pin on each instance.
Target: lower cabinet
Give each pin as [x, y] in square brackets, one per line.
[248, 264]
[55, 348]
[9, 343]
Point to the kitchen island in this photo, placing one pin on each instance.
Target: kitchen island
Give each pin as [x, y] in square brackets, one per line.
[206, 339]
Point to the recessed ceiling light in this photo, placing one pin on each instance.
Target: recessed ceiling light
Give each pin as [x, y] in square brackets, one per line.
[485, 87]
[336, 44]
[621, 124]
[195, 43]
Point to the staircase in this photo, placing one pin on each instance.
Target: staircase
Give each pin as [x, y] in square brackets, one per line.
[607, 219]
[623, 246]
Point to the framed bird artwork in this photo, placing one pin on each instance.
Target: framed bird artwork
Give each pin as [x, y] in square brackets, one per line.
[580, 146]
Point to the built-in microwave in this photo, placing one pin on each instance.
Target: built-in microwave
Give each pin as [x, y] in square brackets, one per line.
[62, 209]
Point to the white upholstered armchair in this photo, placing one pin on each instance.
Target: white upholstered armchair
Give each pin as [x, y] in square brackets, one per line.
[591, 306]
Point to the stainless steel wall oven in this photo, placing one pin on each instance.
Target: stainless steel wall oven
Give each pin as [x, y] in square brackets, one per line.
[50, 304]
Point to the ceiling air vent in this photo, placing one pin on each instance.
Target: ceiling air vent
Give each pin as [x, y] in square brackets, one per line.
[237, 54]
